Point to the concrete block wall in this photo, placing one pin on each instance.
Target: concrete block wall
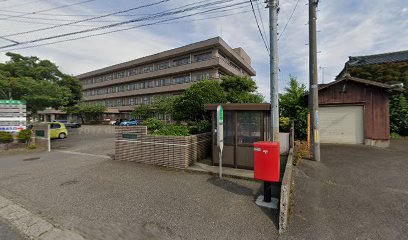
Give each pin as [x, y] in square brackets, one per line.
[168, 151]
[41, 142]
[286, 188]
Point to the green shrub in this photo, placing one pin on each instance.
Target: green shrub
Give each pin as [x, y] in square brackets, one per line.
[395, 135]
[24, 135]
[201, 126]
[153, 124]
[284, 124]
[6, 137]
[172, 130]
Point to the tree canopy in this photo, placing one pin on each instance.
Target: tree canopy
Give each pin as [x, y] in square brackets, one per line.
[39, 82]
[189, 106]
[88, 112]
[293, 105]
[389, 73]
[240, 89]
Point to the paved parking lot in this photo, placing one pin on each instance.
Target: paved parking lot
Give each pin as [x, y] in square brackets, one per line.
[106, 199]
[93, 139]
[355, 192]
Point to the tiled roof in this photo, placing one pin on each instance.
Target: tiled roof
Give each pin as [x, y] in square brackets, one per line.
[360, 80]
[392, 57]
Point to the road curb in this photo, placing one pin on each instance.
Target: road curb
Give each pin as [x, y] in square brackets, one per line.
[33, 226]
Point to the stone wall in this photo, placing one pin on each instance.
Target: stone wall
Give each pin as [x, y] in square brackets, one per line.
[133, 144]
[285, 195]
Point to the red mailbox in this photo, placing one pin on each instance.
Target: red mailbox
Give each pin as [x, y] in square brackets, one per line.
[267, 161]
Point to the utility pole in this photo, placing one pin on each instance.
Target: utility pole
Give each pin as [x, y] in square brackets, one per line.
[322, 68]
[313, 83]
[273, 6]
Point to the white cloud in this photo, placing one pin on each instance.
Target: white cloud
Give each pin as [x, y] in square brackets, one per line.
[346, 28]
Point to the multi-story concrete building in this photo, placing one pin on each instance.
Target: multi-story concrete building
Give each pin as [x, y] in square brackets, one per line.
[123, 86]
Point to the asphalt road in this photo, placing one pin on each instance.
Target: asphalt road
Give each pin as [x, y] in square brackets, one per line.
[355, 192]
[7, 232]
[93, 139]
[107, 199]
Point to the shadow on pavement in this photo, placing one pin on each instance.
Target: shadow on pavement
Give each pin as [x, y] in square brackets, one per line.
[238, 189]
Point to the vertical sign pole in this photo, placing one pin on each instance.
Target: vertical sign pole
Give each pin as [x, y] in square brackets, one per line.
[220, 135]
[49, 137]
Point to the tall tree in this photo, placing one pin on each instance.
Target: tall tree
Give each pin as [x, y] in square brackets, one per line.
[293, 105]
[39, 82]
[189, 106]
[240, 89]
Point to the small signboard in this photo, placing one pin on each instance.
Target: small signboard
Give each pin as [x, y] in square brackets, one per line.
[13, 115]
[220, 135]
[39, 133]
[129, 135]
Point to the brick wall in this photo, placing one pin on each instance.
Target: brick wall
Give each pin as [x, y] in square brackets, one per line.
[167, 151]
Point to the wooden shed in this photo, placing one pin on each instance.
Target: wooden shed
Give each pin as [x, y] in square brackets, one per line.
[354, 111]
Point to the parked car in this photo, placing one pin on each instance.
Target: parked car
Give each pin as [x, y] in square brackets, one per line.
[68, 123]
[131, 122]
[58, 130]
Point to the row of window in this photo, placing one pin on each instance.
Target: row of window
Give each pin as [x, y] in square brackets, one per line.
[147, 84]
[130, 101]
[149, 68]
[231, 63]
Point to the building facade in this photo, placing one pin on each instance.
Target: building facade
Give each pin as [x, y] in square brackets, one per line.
[127, 85]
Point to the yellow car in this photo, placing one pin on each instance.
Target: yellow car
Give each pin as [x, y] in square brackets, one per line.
[58, 130]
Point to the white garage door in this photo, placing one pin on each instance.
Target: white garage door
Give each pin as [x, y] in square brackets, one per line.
[341, 124]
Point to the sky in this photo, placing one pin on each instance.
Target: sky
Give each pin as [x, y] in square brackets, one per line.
[345, 28]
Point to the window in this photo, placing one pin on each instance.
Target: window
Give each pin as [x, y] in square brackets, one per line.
[181, 61]
[202, 57]
[182, 79]
[146, 100]
[150, 84]
[162, 65]
[167, 82]
[248, 127]
[157, 83]
[202, 76]
[235, 66]
[55, 126]
[133, 72]
[147, 69]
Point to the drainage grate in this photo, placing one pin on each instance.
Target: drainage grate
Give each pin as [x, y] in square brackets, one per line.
[31, 159]
[69, 182]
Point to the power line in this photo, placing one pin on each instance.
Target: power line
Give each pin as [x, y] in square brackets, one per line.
[49, 9]
[256, 20]
[207, 18]
[21, 4]
[90, 25]
[9, 40]
[262, 23]
[290, 17]
[120, 30]
[84, 20]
